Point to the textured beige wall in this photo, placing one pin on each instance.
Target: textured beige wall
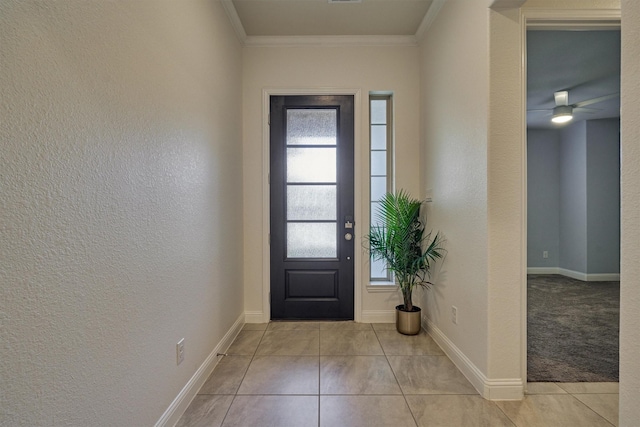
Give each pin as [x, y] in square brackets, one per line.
[630, 223]
[454, 117]
[367, 69]
[505, 209]
[472, 159]
[121, 193]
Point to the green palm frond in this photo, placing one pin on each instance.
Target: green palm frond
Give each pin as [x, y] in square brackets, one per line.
[400, 241]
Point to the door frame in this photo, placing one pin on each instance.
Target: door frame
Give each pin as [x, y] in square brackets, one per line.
[556, 19]
[357, 190]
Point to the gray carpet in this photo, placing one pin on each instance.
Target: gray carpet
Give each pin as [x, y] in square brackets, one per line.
[572, 329]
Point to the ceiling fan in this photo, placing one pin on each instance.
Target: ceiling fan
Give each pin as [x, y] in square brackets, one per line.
[563, 111]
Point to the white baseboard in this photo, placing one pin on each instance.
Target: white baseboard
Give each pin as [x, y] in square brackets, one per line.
[499, 389]
[378, 316]
[598, 277]
[603, 277]
[189, 391]
[543, 270]
[254, 317]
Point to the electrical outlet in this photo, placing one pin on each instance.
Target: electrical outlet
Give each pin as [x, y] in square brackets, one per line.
[545, 254]
[180, 351]
[454, 314]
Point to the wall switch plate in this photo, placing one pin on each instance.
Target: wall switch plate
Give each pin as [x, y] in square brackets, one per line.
[545, 254]
[454, 314]
[180, 351]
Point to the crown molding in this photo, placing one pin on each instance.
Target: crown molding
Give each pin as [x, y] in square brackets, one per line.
[571, 15]
[506, 4]
[329, 41]
[232, 14]
[429, 18]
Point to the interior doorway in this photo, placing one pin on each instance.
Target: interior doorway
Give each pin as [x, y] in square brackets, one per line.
[573, 202]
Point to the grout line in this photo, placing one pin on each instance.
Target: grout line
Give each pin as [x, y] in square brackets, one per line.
[505, 414]
[591, 409]
[244, 375]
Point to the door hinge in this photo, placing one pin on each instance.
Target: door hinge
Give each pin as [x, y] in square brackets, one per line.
[269, 119]
[269, 238]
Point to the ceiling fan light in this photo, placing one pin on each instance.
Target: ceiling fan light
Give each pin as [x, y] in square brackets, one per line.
[562, 114]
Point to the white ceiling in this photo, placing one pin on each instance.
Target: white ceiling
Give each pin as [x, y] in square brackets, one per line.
[321, 18]
[584, 63]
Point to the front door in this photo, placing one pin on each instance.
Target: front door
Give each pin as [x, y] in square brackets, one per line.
[311, 189]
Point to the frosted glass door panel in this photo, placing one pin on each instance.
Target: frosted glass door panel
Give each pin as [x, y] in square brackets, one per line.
[311, 127]
[311, 202]
[311, 164]
[312, 240]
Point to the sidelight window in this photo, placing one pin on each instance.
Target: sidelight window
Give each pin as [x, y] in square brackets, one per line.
[381, 166]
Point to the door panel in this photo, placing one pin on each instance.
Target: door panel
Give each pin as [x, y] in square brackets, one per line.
[311, 190]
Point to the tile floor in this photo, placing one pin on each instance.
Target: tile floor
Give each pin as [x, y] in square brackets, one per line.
[345, 374]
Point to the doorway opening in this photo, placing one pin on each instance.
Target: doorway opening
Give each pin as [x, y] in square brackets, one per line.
[573, 204]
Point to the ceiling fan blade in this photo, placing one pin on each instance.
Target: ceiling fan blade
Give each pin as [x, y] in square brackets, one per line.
[561, 97]
[544, 112]
[596, 100]
[586, 110]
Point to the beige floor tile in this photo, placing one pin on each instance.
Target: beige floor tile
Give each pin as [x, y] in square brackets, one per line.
[604, 404]
[273, 411]
[384, 326]
[558, 410]
[395, 344]
[584, 388]
[355, 343]
[345, 326]
[429, 375]
[255, 327]
[226, 377]
[544, 388]
[357, 375]
[290, 343]
[365, 411]
[206, 411]
[293, 326]
[245, 343]
[456, 411]
[281, 375]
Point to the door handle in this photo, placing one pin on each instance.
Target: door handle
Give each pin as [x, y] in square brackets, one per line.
[348, 236]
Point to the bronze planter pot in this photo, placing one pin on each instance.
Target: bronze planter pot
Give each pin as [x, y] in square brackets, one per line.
[408, 322]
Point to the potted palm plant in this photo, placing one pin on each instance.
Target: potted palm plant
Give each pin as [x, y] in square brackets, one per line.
[409, 252]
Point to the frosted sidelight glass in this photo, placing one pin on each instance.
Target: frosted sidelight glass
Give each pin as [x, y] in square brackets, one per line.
[379, 112]
[378, 163]
[378, 269]
[378, 187]
[311, 127]
[375, 216]
[311, 240]
[379, 137]
[311, 202]
[311, 164]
